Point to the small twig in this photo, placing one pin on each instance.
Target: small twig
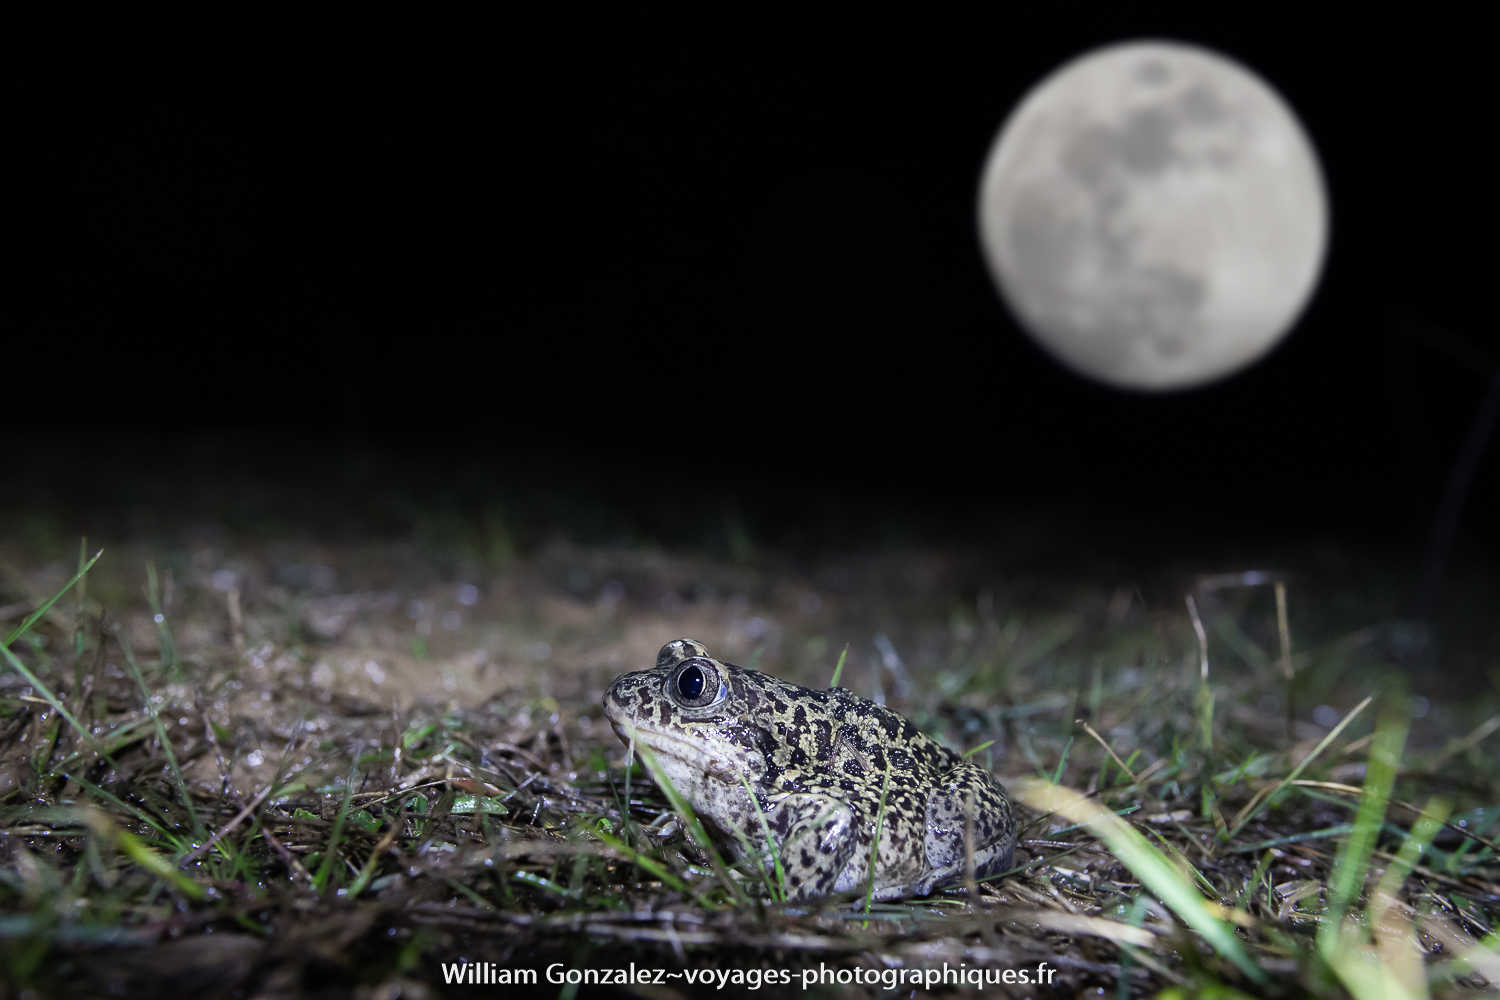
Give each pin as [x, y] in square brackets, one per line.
[363, 879]
[1461, 744]
[1265, 795]
[1284, 630]
[1335, 786]
[526, 755]
[1156, 765]
[236, 620]
[294, 865]
[228, 827]
[1090, 730]
[1192, 607]
[1035, 863]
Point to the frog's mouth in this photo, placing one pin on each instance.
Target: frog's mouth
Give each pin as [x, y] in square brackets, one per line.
[682, 751]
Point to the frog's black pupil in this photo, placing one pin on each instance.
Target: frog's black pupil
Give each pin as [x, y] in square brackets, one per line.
[690, 683]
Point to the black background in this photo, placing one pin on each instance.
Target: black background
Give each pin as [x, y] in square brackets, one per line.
[735, 246]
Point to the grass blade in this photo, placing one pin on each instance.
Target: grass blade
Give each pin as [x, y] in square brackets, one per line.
[142, 855]
[368, 871]
[651, 865]
[1398, 948]
[52, 699]
[838, 671]
[31, 678]
[1247, 894]
[1035, 863]
[1062, 763]
[330, 852]
[987, 745]
[32, 618]
[1332, 831]
[1353, 860]
[161, 734]
[1253, 806]
[1413, 847]
[1155, 870]
[169, 658]
[779, 890]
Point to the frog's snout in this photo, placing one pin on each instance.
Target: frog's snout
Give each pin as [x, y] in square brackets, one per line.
[626, 698]
[614, 701]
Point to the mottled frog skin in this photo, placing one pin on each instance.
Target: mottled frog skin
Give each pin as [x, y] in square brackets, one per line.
[817, 762]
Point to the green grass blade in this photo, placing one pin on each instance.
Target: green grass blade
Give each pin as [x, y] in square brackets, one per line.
[114, 739]
[649, 864]
[330, 851]
[1332, 831]
[1353, 860]
[169, 658]
[32, 618]
[80, 626]
[1062, 763]
[367, 873]
[1118, 812]
[986, 746]
[1187, 867]
[1427, 826]
[161, 734]
[142, 855]
[1155, 870]
[1247, 895]
[123, 806]
[45, 692]
[25, 672]
[1397, 944]
[778, 891]
[1036, 863]
[838, 671]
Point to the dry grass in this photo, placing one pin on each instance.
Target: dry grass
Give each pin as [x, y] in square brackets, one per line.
[331, 770]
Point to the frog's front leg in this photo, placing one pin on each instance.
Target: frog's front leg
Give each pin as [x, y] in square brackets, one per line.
[815, 839]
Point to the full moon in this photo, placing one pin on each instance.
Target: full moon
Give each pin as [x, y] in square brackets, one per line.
[1154, 216]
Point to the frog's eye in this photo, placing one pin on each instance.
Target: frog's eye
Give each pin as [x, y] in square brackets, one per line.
[696, 683]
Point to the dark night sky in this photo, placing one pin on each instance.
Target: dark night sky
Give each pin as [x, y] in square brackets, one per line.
[742, 242]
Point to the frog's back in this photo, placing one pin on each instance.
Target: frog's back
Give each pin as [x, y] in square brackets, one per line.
[837, 742]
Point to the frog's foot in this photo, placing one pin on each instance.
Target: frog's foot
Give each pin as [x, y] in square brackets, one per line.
[990, 861]
[817, 843]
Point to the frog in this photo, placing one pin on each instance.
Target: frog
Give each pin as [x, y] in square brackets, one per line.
[849, 795]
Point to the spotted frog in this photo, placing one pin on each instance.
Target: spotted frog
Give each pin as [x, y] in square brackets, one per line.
[819, 764]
